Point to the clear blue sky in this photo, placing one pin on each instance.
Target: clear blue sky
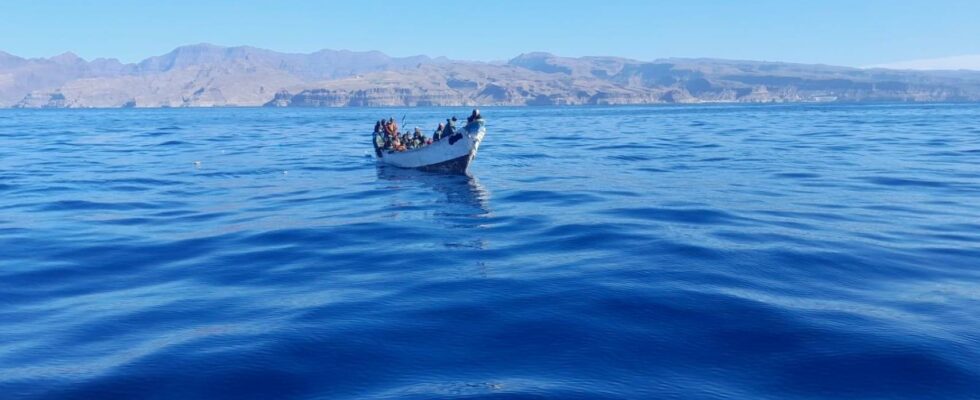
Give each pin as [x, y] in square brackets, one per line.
[858, 32]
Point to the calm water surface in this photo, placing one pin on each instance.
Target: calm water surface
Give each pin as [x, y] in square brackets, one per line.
[785, 252]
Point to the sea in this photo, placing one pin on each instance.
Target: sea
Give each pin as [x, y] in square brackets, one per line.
[801, 251]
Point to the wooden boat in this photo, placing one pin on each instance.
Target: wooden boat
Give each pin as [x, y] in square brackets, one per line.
[452, 154]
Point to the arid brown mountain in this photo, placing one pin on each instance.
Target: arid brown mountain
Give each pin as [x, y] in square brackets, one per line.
[19, 76]
[206, 75]
[198, 75]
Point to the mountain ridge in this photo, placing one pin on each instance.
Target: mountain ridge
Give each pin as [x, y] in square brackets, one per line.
[208, 75]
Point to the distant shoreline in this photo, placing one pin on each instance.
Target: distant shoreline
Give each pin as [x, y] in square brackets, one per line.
[650, 105]
[209, 76]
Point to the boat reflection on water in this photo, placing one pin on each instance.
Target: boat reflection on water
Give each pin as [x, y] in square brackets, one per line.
[465, 196]
[461, 212]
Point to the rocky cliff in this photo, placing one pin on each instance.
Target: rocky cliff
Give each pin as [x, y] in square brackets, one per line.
[206, 76]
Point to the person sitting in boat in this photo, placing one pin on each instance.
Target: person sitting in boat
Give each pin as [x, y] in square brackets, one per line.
[397, 144]
[407, 141]
[419, 136]
[450, 128]
[472, 122]
[438, 133]
[473, 118]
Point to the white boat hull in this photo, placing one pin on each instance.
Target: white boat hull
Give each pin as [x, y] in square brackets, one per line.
[452, 154]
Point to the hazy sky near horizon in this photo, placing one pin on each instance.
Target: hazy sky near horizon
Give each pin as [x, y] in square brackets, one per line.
[853, 33]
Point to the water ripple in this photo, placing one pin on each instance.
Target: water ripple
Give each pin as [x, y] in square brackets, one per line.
[784, 251]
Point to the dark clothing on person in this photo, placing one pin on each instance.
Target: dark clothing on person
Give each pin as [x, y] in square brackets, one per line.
[472, 122]
[450, 128]
[437, 134]
[474, 116]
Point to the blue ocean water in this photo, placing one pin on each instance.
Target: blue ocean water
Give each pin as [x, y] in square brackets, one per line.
[696, 252]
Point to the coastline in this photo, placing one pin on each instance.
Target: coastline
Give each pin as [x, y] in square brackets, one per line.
[209, 76]
[502, 106]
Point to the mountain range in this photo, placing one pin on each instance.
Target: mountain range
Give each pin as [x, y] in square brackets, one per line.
[206, 75]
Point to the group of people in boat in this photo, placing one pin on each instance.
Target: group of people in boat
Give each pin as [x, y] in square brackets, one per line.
[387, 138]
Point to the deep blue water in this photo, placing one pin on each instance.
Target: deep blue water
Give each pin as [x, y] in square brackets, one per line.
[785, 252]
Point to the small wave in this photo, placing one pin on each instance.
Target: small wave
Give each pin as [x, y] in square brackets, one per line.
[623, 157]
[606, 260]
[893, 181]
[630, 146]
[553, 197]
[680, 215]
[529, 156]
[796, 175]
[69, 205]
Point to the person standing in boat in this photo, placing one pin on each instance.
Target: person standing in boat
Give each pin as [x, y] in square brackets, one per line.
[391, 127]
[379, 139]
